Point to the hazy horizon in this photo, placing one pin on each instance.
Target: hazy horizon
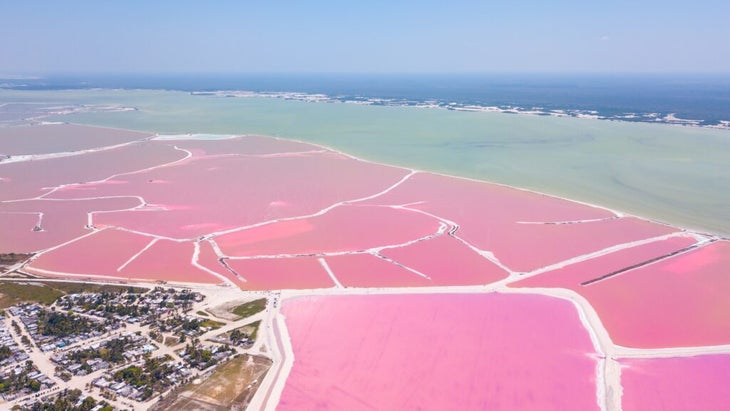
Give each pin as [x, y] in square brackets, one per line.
[30, 75]
[378, 37]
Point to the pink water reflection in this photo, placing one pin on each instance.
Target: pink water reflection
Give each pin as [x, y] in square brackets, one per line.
[684, 383]
[367, 270]
[280, 273]
[62, 221]
[54, 138]
[467, 200]
[676, 302]
[447, 262]
[209, 259]
[16, 228]
[168, 261]
[494, 218]
[32, 178]
[100, 254]
[215, 194]
[438, 352]
[526, 247]
[347, 228]
[572, 275]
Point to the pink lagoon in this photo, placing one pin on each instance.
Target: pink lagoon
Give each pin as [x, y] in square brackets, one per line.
[435, 352]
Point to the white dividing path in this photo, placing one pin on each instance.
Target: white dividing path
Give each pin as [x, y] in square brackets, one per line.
[327, 268]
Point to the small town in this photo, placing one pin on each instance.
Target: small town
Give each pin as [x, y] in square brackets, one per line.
[121, 348]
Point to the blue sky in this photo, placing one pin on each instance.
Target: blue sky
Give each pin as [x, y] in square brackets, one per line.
[368, 36]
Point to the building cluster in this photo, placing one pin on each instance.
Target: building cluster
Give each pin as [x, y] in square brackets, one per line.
[68, 399]
[112, 347]
[19, 377]
[102, 355]
[51, 330]
[235, 338]
[12, 353]
[131, 308]
[23, 381]
[203, 357]
[143, 379]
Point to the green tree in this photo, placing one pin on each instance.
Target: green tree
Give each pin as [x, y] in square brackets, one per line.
[236, 336]
[5, 352]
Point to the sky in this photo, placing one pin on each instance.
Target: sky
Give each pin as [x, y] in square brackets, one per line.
[364, 36]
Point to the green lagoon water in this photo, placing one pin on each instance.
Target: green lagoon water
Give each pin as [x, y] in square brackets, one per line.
[678, 175]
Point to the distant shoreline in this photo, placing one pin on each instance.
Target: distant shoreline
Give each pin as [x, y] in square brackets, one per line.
[678, 99]
[650, 118]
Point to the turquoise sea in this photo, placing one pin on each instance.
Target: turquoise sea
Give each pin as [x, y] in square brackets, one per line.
[674, 174]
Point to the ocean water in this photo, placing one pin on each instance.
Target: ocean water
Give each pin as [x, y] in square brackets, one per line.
[675, 174]
[703, 98]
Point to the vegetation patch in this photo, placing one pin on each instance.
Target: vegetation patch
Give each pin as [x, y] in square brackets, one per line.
[204, 357]
[250, 308]
[15, 293]
[245, 335]
[251, 330]
[112, 351]
[56, 324]
[151, 377]
[9, 259]
[20, 382]
[5, 352]
[77, 288]
[47, 292]
[69, 400]
[212, 324]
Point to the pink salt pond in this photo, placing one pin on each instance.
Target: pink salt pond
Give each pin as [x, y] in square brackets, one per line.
[679, 301]
[469, 202]
[207, 195]
[346, 228]
[279, 273]
[119, 254]
[526, 247]
[520, 228]
[682, 383]
[438, 352]
[29, 179]
[168, 261]
[367, 270]
[571, 276]
[16, 228]
[62, 221]
[446, 261]
[54, 138]
[103, 253]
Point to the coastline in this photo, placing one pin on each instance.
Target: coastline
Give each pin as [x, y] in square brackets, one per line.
[632, 166]
[648, 118]
[617, 213]
[160, 136]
